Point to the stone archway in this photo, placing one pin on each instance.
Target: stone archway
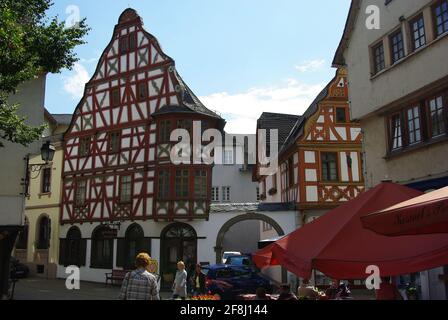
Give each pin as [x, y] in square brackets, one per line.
[244, 217]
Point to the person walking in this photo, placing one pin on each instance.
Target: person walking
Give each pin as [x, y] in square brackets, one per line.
[180, 282]
[140, 284]
[285, 293]
[198, 281]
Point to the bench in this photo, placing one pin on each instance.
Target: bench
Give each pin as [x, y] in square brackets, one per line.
[116, 275]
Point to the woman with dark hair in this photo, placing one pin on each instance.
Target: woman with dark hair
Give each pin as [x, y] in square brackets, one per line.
[198, 281]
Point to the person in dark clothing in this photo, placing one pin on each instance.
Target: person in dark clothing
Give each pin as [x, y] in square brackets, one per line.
[198, 281]
[285, 293]
[261, 294]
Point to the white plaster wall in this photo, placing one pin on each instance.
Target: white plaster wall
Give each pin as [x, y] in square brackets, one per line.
[207, 232]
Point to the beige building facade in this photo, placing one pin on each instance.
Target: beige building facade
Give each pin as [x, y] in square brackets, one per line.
[38, 243]
[400, 96]
[398, 91]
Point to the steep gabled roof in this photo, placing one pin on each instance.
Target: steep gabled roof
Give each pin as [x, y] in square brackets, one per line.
[297, 130]
[338, 60]
[282, 122]
[190, 103]
[63, 119]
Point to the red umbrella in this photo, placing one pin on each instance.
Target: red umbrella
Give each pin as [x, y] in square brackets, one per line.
[425, 214]
[337, 244]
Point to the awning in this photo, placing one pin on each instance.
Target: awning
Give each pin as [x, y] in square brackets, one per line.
[425, 214]
[338, 245]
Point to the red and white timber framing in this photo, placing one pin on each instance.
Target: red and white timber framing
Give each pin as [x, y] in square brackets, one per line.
[133, 80]
[301, 179]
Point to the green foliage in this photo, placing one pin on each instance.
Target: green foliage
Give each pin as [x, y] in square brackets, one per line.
[30, 44]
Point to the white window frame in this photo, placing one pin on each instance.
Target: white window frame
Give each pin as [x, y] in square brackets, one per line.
[226, 194]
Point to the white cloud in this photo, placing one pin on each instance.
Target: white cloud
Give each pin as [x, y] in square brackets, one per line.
[310, 65]
[241, 110]
[74, 84]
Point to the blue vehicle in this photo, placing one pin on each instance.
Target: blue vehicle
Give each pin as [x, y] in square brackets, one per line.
[230, 281]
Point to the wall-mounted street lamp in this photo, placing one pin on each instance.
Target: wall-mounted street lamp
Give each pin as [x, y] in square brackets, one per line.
[47, 152]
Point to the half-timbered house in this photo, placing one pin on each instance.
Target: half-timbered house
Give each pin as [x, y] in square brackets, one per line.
[120, 191]
[320, 156]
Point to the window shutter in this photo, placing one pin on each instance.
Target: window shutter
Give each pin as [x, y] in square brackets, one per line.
[121, 252]
[83, 252]
[62, 252]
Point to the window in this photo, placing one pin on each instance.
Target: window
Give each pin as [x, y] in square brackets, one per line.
[414, 127]
[46, 180]
[290, 172]
[102, 249]
[181, 183]
[418, 32]
[274, 181]
[142, 91]
[397, 46]
[200, 184]
[396, 133]
[164, 184]
[128, 43]
[115, 97]
[80, 193]
[441, 17]
[43, 237]
[379, 60]
[437, 117]
[228, 157]
[329, 166]
[215, 194]
[132, 41]
[72, 249]
[114, 142]
[341, 116]
[184, 124]
[84, 146]
[125, 189]
[124, 44]
[164, 131]
[226, 194]
[131, 245]
[267, 227]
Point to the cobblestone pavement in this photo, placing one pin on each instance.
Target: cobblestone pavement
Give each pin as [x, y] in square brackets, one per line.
[43, 289]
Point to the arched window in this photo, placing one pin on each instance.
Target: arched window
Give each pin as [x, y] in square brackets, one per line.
[178, 242]
[22, 240]
[102, 248]
[72, 249]
[43, 233]
[133, 244]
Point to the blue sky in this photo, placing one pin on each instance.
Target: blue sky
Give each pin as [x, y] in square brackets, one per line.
[241, 57]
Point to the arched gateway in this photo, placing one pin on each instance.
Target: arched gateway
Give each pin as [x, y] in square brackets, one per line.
[244, 217]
